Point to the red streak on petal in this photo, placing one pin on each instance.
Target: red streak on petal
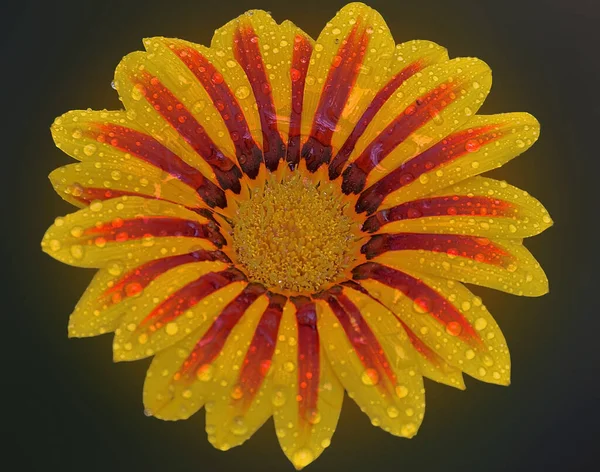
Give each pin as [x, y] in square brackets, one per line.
[447, 150]
[429, 302]
[340, 81]
[416, 115]
[361, 337]
[422, 348]
[89, 194]
[298, 71]
[142, 276]
[210, 345]
[246, 49]
[156, 226]
[149, 150]
[451, 205]
[248, 154]
[257, 362]
[339, 161]
[309, 369]
[190, 295]
[179, 117]
[470, 247]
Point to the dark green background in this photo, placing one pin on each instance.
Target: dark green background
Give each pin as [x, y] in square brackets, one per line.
[70, 408]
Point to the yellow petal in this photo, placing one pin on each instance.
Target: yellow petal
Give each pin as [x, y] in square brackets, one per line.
[425, 109]
[84, 182]
[173, 306]
[445, 316]
[240, 399]
[501, 264]
[350, 63]
[180, 378]
[104, 302]
[372, 356]
[484, 143]
[113, 141]
[150, 91]
[433, 366]
[128, 230]
[409, 58]
[306, 395]
[477, 207]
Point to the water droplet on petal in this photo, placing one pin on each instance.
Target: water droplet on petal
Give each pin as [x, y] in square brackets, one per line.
[89, 149]
[302, 457]
[401, 391]
[242, 92]
[370, 377]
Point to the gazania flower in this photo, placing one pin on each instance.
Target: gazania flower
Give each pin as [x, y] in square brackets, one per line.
[277, 220]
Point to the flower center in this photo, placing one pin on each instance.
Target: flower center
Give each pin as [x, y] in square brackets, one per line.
[293, 235]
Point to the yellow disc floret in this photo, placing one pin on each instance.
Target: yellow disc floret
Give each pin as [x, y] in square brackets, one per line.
[293, 235]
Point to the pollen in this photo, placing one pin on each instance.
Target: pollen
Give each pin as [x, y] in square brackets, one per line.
[294, 235]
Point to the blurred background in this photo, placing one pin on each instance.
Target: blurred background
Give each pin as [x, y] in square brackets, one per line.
[70, 408]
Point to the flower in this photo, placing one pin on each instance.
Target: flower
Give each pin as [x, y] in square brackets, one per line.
[277, 220]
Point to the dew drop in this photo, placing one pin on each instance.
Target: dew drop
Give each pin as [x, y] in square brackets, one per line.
[137, 92]
[472, 145]
[302, 457]
[96, 206]
[89, 149]
[480, 324]
[370, 377]
[278, 398]
[408, 430]
[237, 392]
[77, 251]
[238, 426]
[204, 372]
[422, 305]
[171, 329]
[453, 328]
[242, 92]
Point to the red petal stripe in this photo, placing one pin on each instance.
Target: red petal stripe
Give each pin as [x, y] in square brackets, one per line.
[89, 194]
[422, 348]
[336, 90]
[339, 161]
[309, 369]
[154, 153]
[298, 71]
[426, 300]
[156, 226]
[179, 117]
[134, 281]
[362, 338]
[247, 53]
[450, 205]
[190, 295]
[210, 345]
[258, 359]
[412, 118]
[447, 150]
[478, 249]
[247, 152]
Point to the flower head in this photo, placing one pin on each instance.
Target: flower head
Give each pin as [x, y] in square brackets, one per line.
[276, 220]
